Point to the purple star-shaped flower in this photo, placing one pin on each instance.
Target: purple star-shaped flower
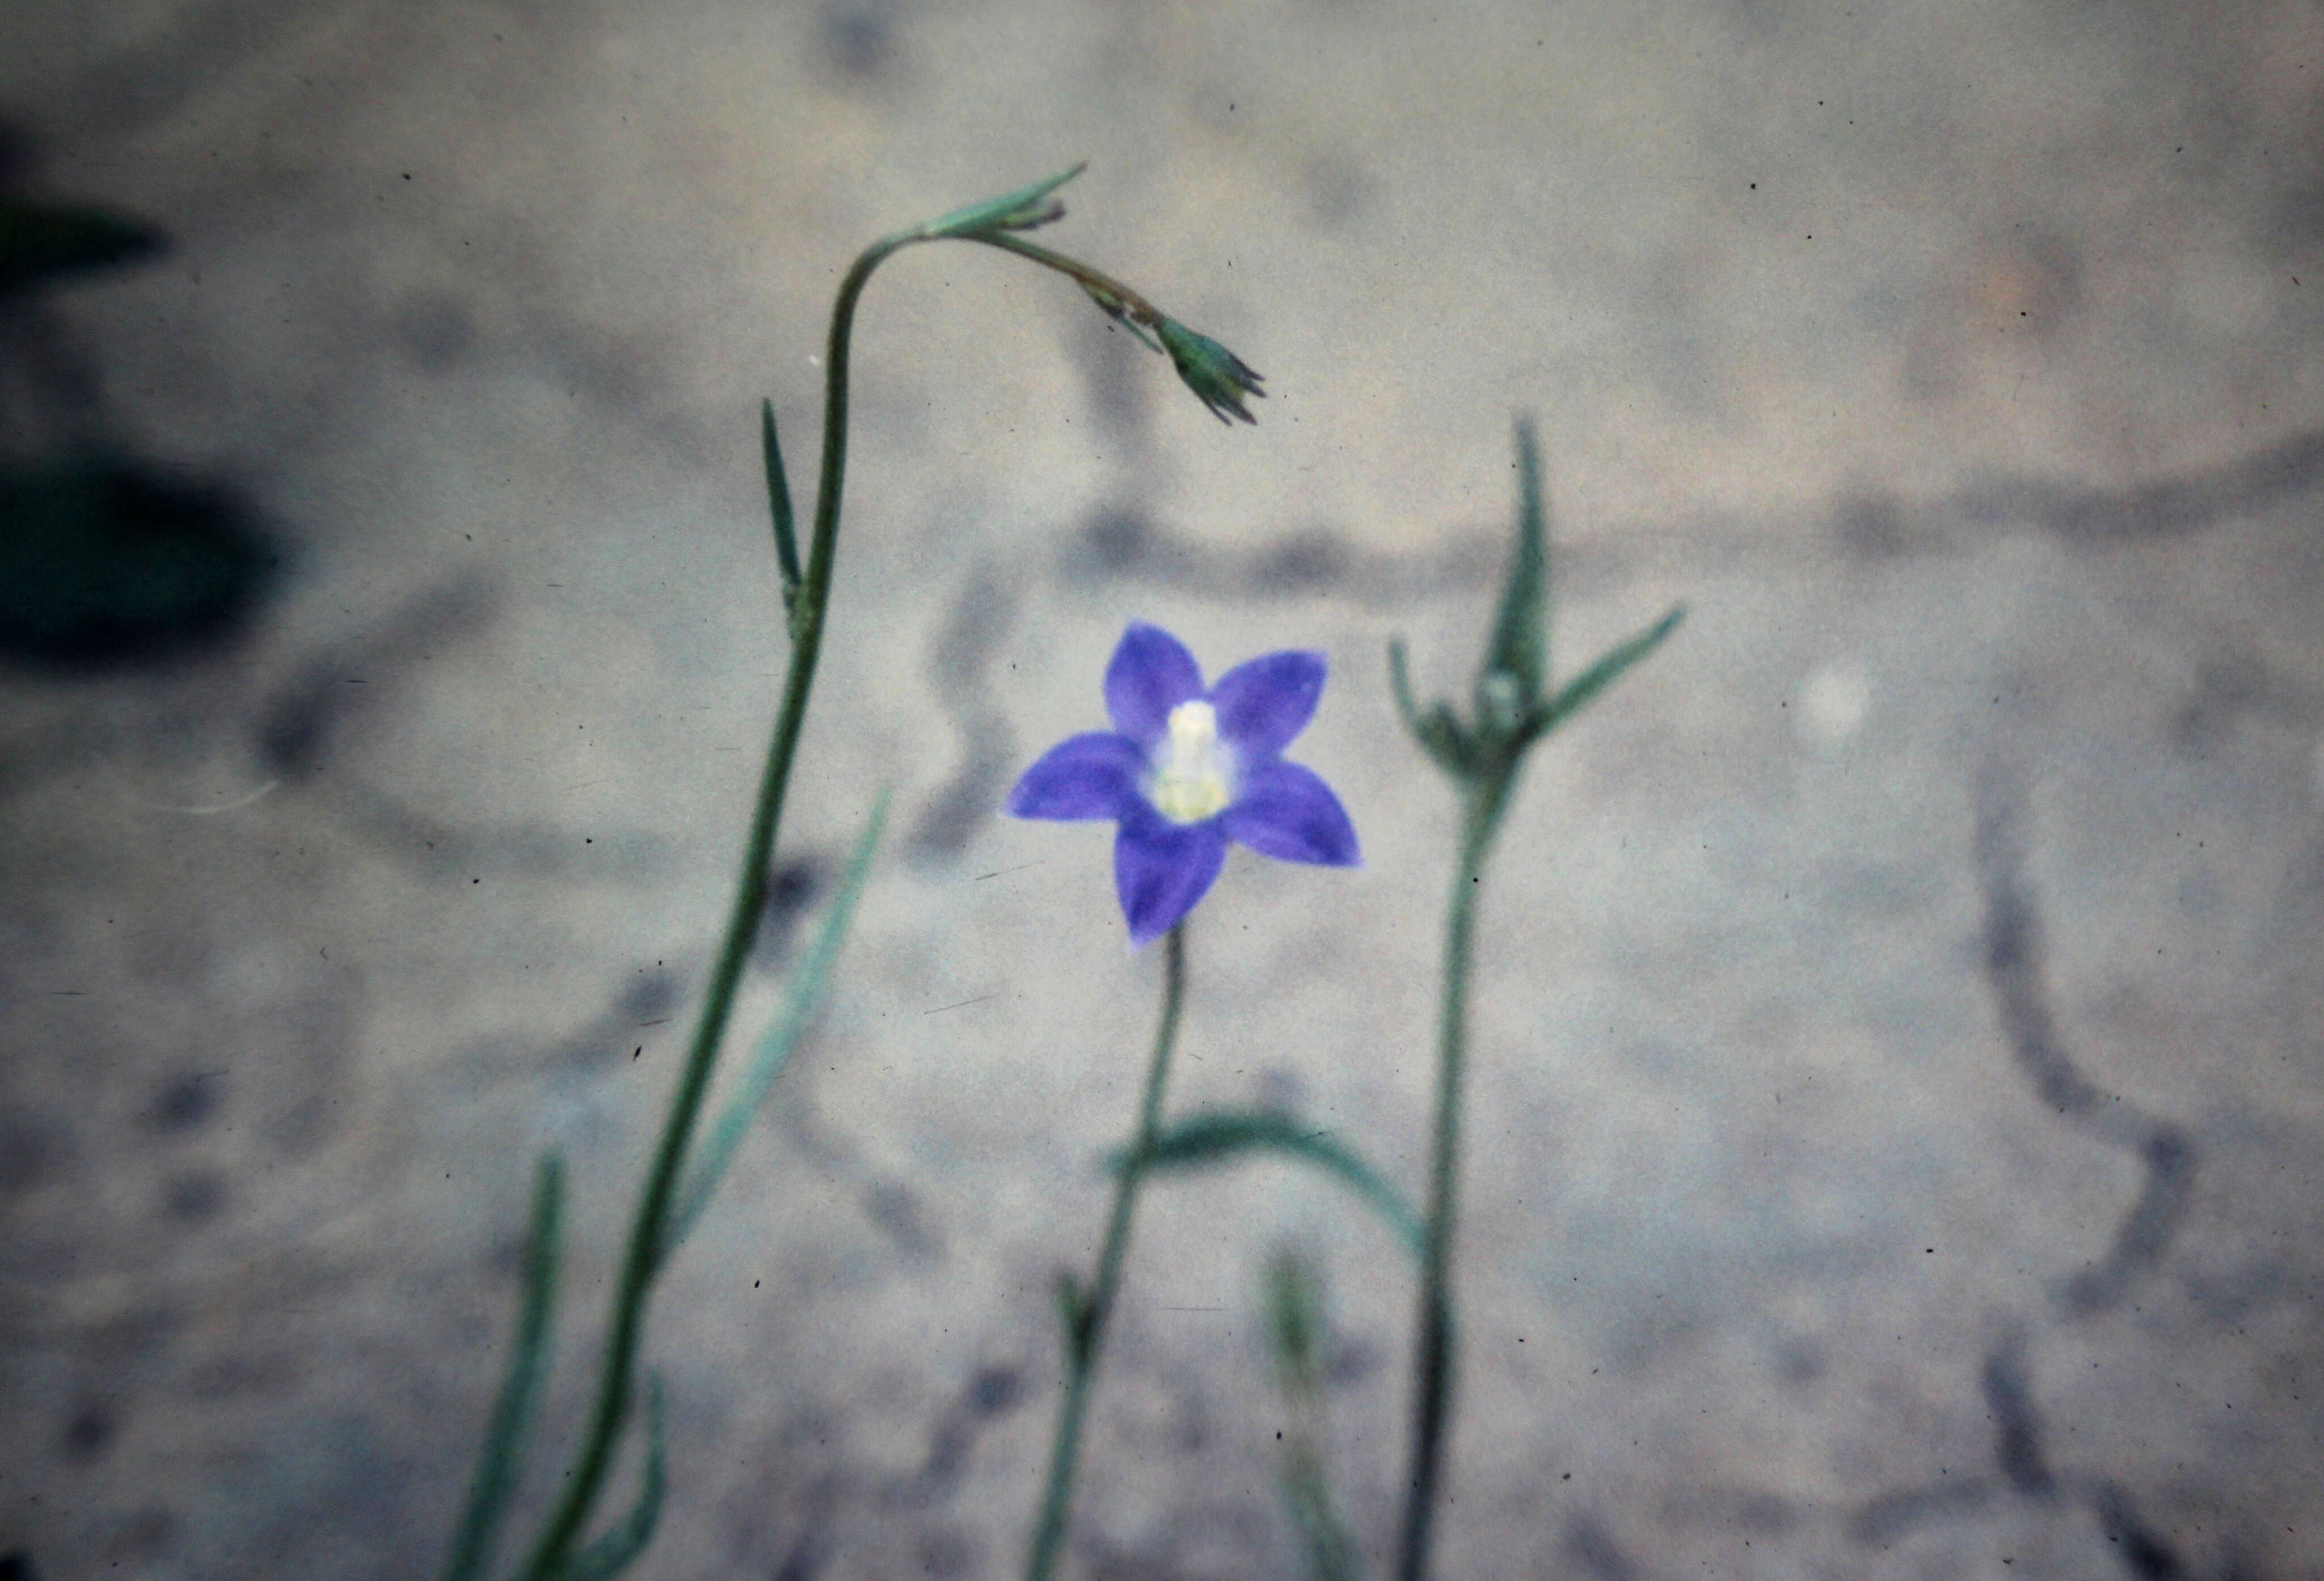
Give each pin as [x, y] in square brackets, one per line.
[1184, 770]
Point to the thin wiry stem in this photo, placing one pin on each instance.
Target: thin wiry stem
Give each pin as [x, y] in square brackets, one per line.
[1087, 1314]
[1435, 1326]
[649, 1229]
[1483, 758]
[992, 222]
[1109, 294]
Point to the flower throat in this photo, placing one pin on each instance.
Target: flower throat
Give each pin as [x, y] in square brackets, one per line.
[1189, 770]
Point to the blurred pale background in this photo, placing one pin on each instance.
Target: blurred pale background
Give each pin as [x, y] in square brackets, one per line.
[1899, 1077]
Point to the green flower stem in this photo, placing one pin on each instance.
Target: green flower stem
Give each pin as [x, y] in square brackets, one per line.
[649, 1229]
[1482, 757]
[650, 1233]
[1112, 295]
[1432, 1358]
[1086, 1315]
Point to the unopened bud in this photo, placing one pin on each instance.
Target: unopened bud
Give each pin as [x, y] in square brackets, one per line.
[1219, 378]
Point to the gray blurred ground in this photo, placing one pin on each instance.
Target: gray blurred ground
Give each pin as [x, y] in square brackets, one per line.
[1899, 1085]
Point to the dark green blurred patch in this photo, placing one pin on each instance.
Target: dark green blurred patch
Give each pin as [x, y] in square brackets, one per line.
[108, 561]
[40, 242]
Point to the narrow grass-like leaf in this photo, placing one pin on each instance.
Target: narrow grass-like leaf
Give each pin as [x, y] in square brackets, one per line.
[1296, 1308]
[1023, 209]
[1212, 1136]
[503, 1457]
[1331, 1550]
[1437, 732]
[779, 501]
[1519, 646]
[614, 1552]
[1577, 693]
[801, 1001]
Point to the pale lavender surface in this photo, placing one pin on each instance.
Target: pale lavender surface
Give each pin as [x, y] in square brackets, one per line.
[1960, 366]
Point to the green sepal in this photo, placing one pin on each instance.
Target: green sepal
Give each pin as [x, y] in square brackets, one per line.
[39, 241]
[502, 1459]
[1438, 733]
[1026, 209]
[617, 1549]
[1577, 693]
[1212, 1136]
[802, 998]
[779, 504]
[1519, 647]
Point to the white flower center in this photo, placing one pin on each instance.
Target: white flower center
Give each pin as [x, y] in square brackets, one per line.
[1190, 768]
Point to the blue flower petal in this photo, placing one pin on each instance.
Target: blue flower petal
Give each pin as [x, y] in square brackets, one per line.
[1161, 869]
[1264, 703]
[1288, 812]
[1151, 673]
[1092, 775]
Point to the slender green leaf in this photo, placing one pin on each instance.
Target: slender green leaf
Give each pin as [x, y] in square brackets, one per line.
[1296, 1310]
[1332, 1554]
[502, 1460]
[779, 501]
[802, 999]
[1609, 668]
[1437, 732]
[1023, 209]
[1519, 647]
[614, 1552]
[1212, 1136]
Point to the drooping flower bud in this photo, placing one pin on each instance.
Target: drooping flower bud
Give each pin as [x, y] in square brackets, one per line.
[1218, 377]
